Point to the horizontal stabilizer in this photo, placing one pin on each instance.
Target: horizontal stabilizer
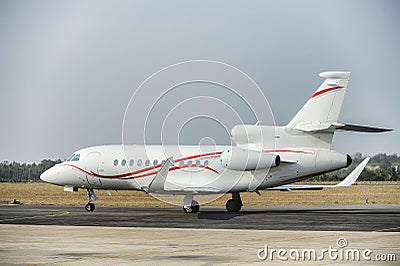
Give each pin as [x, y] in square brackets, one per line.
[348, 181]
[332, 127]
[357, 128]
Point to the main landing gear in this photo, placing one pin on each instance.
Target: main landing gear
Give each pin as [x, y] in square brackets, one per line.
[190, 205]
[234, 204]
[91, 196]
[193, 208]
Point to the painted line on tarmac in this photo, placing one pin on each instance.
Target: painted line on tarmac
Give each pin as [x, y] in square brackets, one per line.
[387, 229]
[36, 216]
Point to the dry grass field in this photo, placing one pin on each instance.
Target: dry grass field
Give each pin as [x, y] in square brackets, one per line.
[41, 193]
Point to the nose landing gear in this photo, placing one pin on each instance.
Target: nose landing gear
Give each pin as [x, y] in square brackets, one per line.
[90, 207]
[91, 196]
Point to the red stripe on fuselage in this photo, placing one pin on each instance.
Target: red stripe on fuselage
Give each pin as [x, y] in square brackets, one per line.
[207, 155]
[326, 90]
[198, 156]
[170, 170]
[130, 174]
[139, 176]
[77, 167]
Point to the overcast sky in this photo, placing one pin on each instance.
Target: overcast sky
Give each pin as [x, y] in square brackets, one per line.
[68, 68]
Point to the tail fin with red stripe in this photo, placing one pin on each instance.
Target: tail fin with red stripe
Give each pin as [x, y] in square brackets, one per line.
[323, 108]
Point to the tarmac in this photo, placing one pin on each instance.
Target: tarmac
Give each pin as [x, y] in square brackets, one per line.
[306, 218]
[63, 235]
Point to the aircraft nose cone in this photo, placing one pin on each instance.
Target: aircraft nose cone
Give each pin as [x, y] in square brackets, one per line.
[45, 176]
[49, 175]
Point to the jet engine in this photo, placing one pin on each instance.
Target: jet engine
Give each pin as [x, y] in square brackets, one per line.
[248, 160]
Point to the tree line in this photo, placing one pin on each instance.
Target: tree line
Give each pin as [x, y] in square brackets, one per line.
[17, 172]
[381, 167]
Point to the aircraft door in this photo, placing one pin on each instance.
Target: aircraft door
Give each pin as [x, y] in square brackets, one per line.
[92, 165]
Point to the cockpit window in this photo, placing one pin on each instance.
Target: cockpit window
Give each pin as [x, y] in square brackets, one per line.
[76, 157]
[70, 158]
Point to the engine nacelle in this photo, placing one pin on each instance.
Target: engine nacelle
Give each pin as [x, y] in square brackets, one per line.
[244, 134]
[248, 160]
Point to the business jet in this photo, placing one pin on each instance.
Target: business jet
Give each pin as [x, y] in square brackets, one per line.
[301, 149]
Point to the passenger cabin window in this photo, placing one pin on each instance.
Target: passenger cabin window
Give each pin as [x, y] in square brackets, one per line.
[76, 158]
[115, 162]
[205, 162]
[131, 162]
[123, 162]
[139, 162]
[147, 163]
[198, 163]
[155, 162]
[181, 163]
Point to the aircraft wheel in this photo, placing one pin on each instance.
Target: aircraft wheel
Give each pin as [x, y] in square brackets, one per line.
[90, 207]
[194, 208]
[233, 205]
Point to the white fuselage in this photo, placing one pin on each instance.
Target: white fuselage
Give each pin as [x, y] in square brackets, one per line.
[134, 167]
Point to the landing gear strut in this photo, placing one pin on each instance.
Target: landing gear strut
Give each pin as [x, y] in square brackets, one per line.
[91, 196]
[234, 204]
[190, 205]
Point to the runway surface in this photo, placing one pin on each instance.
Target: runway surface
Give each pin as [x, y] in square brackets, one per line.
[60, 235]
[385, 218]
[97, 245]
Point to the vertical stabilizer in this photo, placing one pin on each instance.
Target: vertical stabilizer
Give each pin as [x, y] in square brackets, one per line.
[323, 108]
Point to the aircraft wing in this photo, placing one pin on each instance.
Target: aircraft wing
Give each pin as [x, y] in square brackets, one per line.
[157, 184]
[348, 181]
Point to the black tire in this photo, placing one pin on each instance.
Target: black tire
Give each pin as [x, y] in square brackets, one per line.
[194, 208]
[233, 205]
[90, 207]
